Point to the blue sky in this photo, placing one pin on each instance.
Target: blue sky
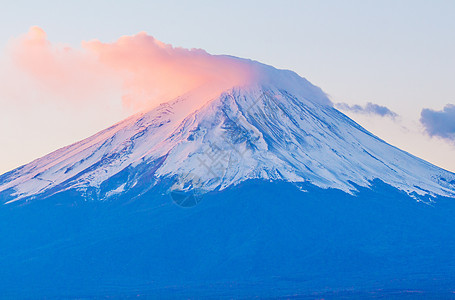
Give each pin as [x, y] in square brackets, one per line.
[398, 54]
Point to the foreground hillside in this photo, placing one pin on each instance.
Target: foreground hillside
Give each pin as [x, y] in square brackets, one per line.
[256, 239]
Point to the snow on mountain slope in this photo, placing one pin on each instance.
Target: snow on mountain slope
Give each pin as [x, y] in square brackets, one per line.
[277, 127]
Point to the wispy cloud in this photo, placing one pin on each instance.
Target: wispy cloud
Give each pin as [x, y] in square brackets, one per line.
[369, 108]
[149, 71]
[439, 123]
[72, 75]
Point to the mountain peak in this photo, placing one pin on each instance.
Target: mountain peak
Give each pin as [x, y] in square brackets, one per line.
[277, 127]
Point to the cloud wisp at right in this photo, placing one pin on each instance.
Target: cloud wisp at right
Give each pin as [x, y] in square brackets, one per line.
[439, 123]
[369, 108]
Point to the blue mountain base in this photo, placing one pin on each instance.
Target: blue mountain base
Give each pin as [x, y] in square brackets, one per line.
[256, 239]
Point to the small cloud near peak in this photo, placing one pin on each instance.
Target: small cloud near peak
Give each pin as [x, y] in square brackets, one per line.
[440, 123]
[369, 108]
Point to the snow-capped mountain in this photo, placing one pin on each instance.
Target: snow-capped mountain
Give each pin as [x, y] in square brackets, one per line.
[299, 201]
[278, 127]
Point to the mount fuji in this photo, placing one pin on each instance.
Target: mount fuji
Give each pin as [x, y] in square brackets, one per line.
[262, 189]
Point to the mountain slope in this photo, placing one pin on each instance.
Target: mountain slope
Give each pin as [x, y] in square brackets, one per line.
[278, 128]
[256, 239]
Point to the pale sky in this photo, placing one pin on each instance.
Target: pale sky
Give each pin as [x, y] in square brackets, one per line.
[399, 54]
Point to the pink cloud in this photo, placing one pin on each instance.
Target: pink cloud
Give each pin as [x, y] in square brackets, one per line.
[147, 70]
[66, 72]
[154, 70]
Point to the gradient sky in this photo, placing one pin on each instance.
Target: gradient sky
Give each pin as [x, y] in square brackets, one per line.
[398, 54]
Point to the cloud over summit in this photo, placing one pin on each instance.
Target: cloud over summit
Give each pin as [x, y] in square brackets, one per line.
[147, 70]
[151, 68]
